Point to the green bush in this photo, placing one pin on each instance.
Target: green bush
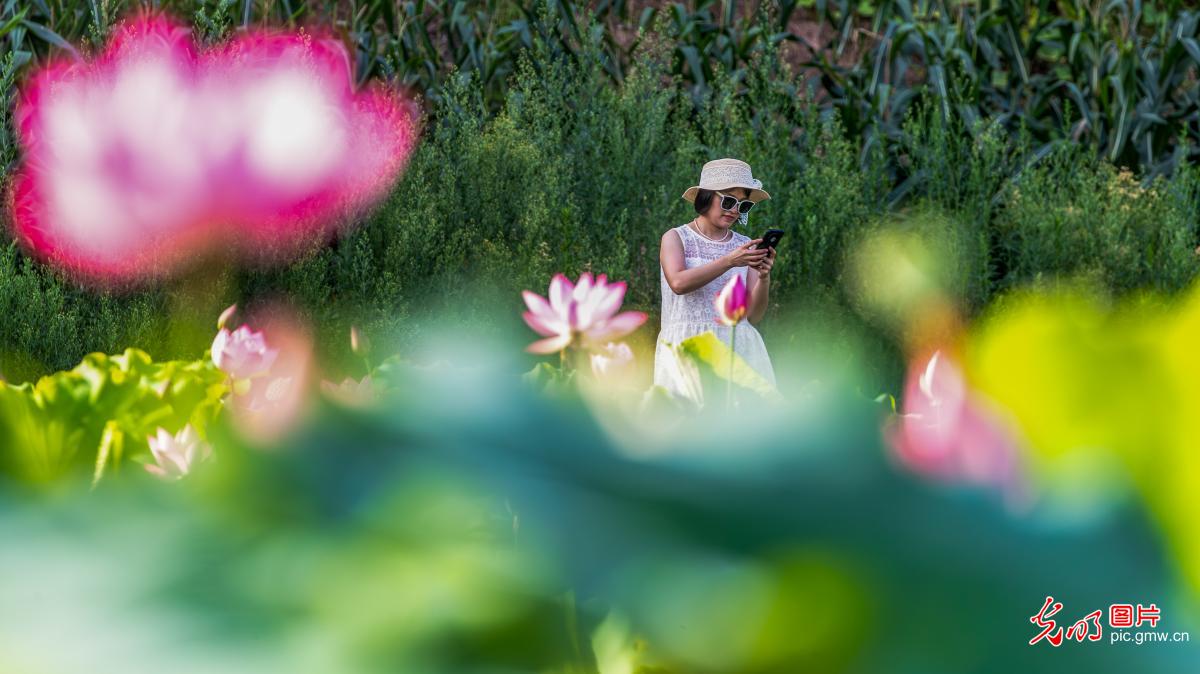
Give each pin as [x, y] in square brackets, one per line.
[49, 323]
[1076, 215]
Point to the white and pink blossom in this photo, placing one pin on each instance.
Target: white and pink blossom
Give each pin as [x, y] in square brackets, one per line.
[243, 353]
[580, 314]
[176, 455]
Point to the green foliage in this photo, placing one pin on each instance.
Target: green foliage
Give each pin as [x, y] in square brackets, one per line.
[213, 22]
[468, 526]
[1078, 215]
[553, 381]
[50, 324]
[904, 260]
[719, 364]
[1118, 76]
[51, 428]
[8, 144]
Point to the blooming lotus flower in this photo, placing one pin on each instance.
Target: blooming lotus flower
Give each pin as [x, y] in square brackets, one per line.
[613, 361]
[157, 150]
[947, 431]
[731, 301]
[583, 314]
[243, 353]
[176, 455]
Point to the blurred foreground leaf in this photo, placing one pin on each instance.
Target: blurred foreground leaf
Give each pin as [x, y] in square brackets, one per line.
[714, 355]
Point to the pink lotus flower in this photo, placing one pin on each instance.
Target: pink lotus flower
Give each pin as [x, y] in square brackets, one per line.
[731, 301]
[614, 361]
[156, 151]
[947, 431]
[243, 353]
[176, 455]
[579, 315]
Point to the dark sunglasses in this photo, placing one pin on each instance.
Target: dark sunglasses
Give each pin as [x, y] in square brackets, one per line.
[731, 202]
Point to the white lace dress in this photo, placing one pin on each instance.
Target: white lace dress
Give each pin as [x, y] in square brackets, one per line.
[693, 313]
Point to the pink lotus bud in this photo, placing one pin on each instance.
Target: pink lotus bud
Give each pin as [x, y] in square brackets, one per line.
[731, 302]
[358, 342]
[225, 316]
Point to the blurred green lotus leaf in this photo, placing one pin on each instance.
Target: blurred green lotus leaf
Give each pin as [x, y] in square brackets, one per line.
[1093, 385]
[713, 356]
[56, 425]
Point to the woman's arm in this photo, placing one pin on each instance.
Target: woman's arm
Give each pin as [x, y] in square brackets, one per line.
[683, 280]
[759, 289]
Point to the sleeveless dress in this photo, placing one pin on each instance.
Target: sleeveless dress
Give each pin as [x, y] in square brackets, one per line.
[693, 313]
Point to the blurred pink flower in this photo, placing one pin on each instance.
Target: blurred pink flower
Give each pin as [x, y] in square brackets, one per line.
[267, 392]
[583, 314]
[156, 151]
[731, 301]
[948, 432]
[271, 386]
[176, 455]
[243, 353]
[613, 361]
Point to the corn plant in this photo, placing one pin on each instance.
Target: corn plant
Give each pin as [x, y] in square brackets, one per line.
[1119, 76]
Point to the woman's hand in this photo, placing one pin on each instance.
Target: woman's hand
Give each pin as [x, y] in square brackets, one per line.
[764, 266]
[746, 255]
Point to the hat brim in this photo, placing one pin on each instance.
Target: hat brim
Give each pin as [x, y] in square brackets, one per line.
[756, 195]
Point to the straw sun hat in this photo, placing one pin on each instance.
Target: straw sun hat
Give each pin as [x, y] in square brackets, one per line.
[724, 174]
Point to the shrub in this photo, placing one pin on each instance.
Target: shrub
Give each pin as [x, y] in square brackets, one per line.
[1077, 215]
[50, 324]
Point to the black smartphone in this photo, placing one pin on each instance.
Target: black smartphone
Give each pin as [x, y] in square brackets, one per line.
[770, 239]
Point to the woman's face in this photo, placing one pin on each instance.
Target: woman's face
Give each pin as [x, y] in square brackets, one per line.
[721, 217]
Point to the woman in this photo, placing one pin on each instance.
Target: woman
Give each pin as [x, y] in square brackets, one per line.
[700, 257]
